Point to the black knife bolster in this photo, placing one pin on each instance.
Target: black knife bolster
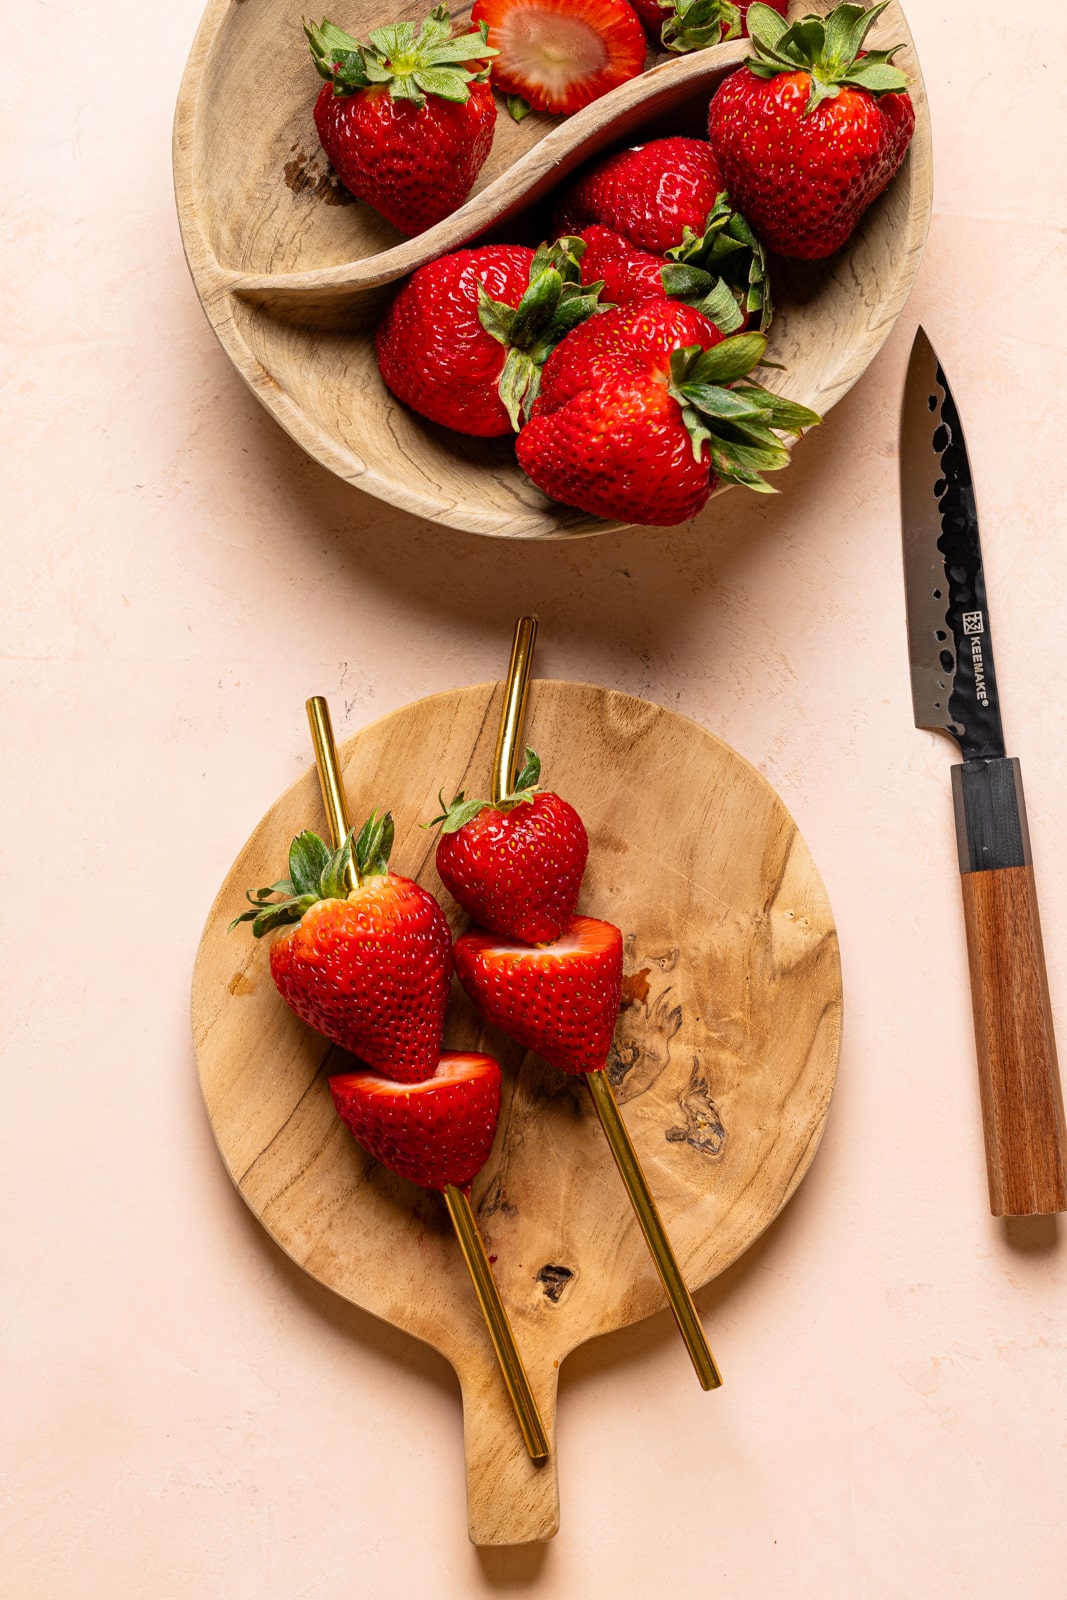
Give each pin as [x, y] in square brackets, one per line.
[991, 829]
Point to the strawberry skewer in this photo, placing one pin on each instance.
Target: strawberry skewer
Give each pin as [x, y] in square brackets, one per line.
[505, 761]
[457, 1199]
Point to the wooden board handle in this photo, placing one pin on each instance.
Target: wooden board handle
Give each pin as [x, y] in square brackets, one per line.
[510, 1499]
[1022, 1104]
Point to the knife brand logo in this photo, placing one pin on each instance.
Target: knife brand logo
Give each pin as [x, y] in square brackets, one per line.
[972, 622]
[979, 672]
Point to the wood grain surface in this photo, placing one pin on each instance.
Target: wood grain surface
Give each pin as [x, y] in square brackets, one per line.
[293, 273]
[723, 1061]
[1022, 1103]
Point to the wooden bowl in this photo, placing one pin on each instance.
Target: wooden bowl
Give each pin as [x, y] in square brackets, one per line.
[724, 1058]
[294, 274]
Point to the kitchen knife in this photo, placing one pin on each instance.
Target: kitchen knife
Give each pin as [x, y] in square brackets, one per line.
[954, 690]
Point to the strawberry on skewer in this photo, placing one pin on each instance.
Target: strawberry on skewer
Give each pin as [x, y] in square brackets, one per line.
[560, 1000]
[515, 867]
[563, 1000]
[395, 1123]
[434, 1133]
[367, 966]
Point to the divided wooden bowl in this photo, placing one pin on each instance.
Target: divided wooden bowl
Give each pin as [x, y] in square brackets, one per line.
[723, 1061]
[294, 274]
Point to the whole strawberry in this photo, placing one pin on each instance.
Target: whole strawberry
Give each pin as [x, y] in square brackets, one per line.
[433, 1133]
[683, 25]
[516, 867]
[650, 193]
[561, 1000]
[668, 199]
[368, 967]
[729, 287]
[464, 341]
[809, 132]
[406, 119]
[642, 410]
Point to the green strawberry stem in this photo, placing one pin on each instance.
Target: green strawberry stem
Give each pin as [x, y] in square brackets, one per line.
[829, 49]
[730, 255]
[695, 24]
[318, 873]
[454, 816]
[555, 302]
[412, 60]
[734, 420]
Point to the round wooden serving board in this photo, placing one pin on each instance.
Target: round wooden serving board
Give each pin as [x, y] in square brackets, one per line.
[723, 1061]
[294, 273]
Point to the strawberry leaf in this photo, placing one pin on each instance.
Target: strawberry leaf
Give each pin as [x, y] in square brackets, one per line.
[735, 421]
[827, 48]
[517, 107]
[413, 61]
[446, 85]
[495, 317]
[729, 250]
[554, 303]
[696, 24]
[725, 362]
[785, 414]
[530, 775]
[308, 858]
[373, 847]
[518, 386]
[461, 811]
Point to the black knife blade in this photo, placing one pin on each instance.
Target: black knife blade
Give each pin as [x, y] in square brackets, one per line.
[954, 690]
[950, 645]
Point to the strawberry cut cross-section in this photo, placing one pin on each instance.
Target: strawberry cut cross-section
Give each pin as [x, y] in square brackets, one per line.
[559, 55]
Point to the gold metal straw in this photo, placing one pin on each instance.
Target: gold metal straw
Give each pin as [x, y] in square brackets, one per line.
[516, 688]
[516, 693]
[457, 1200]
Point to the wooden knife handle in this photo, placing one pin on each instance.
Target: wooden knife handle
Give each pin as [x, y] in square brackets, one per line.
[1022, 1103]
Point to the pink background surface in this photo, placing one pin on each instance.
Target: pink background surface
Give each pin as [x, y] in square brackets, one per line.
[186, 1415]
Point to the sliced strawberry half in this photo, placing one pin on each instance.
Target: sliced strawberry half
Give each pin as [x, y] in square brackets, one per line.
[561, 1000]
[433, 1133]
[558, 55]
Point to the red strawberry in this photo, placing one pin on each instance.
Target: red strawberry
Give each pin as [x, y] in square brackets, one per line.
[406, 119]
[630, 275]
[558, 55]
[668, 198]
[464, 340]
[641, 411]
[650, 193]
[433, 1133]
[561, 1000]
[516, 867]
[683, 25]
[811, 129]
[369, 967]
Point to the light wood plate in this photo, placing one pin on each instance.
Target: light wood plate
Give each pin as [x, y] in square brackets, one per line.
[294, 274]
[724, 1057]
